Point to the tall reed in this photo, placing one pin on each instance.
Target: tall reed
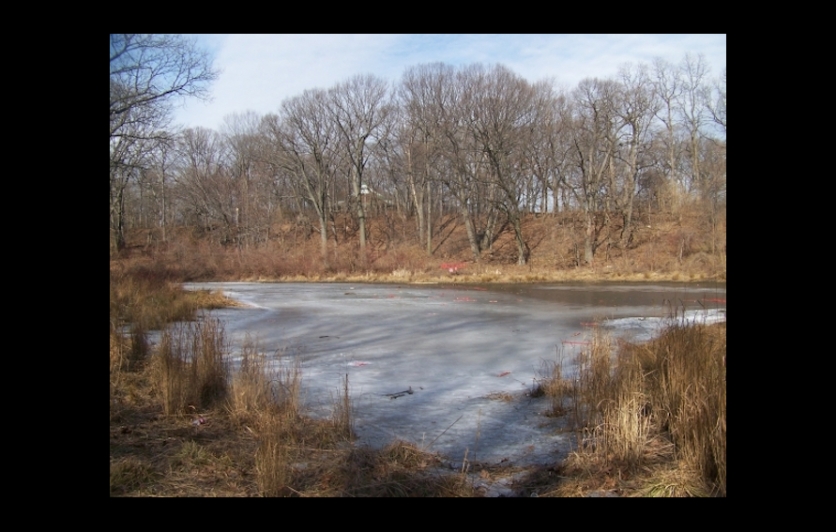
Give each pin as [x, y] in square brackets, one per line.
[342, 417]
[192, 366]
[251, 386]
[663, 401]
[272, 463]
[265, 398]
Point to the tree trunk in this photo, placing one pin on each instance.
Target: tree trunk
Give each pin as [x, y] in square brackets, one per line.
[361, 218]
[118, 212]
[522, 248]
[429, 220]
[418, 201]
[357, 186]
[627, 229]
[490, 226]
[323, 237]
[471, 232]
[588, 248]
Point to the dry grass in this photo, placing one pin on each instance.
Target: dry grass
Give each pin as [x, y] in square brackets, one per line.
[129, 474]
[265, 401]
[191, 367]
[251, 391]
[148, 299]
[144, 298]
[501, 396]
[685, 377]
[400, 469]
[272, 457]
[553, 385]
[650, 418]
[342, 418]
[663, 247]
[261, 446]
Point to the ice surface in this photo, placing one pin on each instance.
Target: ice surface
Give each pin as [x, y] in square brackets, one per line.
[460, 349]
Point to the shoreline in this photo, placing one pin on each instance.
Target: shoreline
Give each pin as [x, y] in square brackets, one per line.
[468, 279]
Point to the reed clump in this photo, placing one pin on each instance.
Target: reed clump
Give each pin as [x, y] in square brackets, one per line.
[649, 418]
[265, 401]
[192, 370]
[555, 386]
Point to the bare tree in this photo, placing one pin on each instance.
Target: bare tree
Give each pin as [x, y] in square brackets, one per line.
[547, 153]
[452, 105]
[635, 106]
[691, 110]
[305, 141]
[538, 158]
[399, 159]
[713, 164]
[717, 106]
[479, 143]
[594, 140]
[205, 186]
[128, 157]
[360, 109]
[668, 86]
[242, 137]
[149, 74]
[422, 97]
[501, 121]
[152, 186]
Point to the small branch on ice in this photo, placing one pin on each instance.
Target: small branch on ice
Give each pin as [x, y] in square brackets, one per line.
[399, 394]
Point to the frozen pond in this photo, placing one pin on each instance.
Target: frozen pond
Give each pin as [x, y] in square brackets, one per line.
[455, 347]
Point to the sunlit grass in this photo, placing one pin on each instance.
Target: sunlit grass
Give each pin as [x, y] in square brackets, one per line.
[650, 418]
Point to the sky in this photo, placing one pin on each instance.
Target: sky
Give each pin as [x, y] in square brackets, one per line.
[258, 72]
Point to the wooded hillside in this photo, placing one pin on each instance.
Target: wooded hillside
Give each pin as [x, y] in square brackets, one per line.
[474, 163]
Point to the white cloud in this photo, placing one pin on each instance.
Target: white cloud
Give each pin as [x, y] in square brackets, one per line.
[260, 71]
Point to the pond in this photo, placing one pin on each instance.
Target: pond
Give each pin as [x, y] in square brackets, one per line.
[458, 348]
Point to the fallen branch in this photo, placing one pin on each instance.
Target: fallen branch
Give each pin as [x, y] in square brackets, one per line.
[399, 394]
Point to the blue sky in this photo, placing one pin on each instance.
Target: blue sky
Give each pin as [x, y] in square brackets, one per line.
[260, 71]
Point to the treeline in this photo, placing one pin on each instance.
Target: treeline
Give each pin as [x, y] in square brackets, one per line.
[478, 142]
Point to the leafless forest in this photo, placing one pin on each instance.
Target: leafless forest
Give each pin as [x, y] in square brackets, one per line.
[476, 146]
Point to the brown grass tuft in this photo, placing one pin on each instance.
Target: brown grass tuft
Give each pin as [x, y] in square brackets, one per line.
[272, 464]
[400, 469]
[653, 412]
[342, 417]
[251, 391]
[554, 386]
[192, 370]
[129, 474]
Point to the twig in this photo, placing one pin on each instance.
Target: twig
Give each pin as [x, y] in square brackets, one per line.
[445, 430]
[399, 394]
[294, 491]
